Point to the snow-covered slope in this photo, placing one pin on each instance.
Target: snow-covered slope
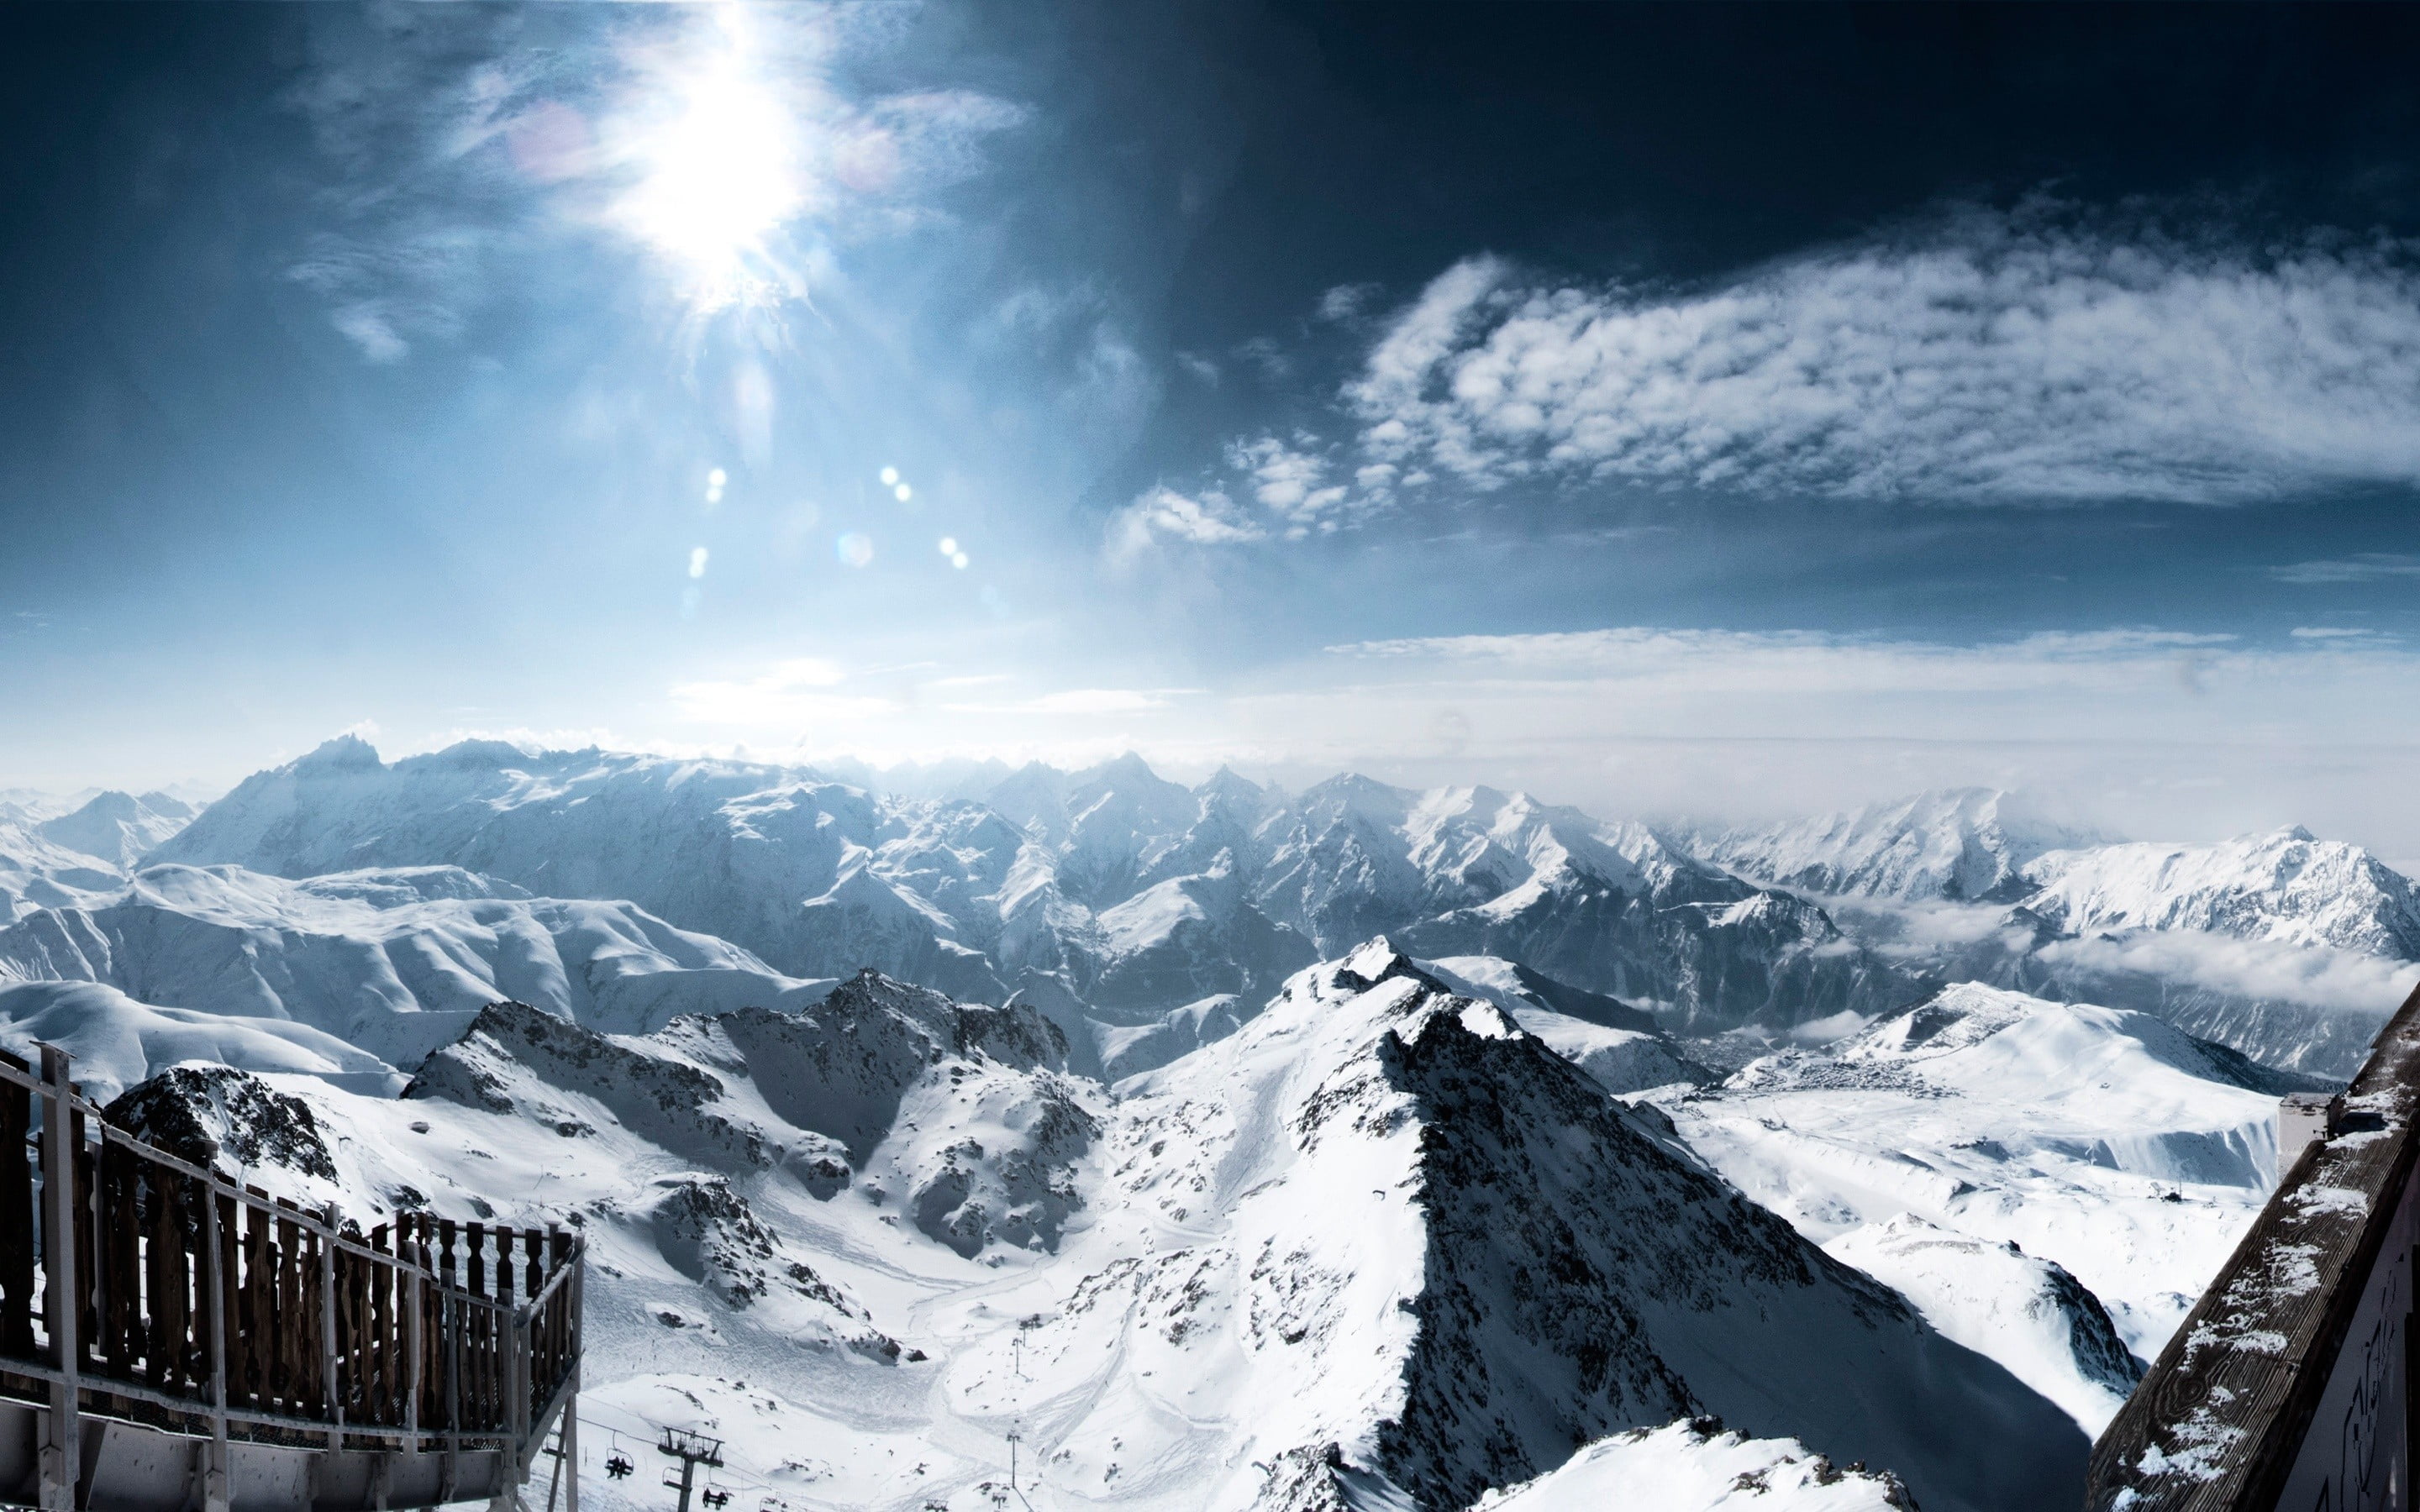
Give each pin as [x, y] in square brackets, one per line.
[36, 872]
[2102, 1140]
[1380, 1242]
[393, 961]
[118, 1041]
[1377, 1248]
[1618, 1046]
[1688, 1467]
[1959, 843]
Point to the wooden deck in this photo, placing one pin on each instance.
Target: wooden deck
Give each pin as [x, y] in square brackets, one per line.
[141, 1296]
[2289, 1384]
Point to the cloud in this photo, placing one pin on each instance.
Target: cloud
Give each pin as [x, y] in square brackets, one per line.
[2034, 356]
[1163, 514]
[787, 693]
[2261, 969]
[1805, 663]
[1346, 301]
[2370, 566]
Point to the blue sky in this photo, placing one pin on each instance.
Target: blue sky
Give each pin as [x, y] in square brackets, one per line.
[1711, 409]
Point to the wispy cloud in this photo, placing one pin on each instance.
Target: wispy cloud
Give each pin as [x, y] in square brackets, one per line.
[1162, 514]
[787, 693]
[2370, 566]
[1994, 357]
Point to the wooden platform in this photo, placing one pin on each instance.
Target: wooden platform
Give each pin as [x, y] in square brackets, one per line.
[2288, 1386]
[172, 1339]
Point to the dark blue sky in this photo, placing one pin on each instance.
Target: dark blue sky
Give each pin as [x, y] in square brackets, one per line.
[1844, 397]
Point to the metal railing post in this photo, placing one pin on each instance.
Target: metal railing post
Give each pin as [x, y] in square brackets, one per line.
[62, 1454]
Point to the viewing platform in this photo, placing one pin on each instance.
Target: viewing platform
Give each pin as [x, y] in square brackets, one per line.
[2289, 1385]
[171, 1340]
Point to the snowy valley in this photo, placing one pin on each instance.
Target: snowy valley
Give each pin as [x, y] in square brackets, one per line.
[1229, 1147]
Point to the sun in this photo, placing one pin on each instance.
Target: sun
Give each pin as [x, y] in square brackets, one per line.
[721, 168]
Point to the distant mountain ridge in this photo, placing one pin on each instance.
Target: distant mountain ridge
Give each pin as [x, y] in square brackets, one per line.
[1112, 889]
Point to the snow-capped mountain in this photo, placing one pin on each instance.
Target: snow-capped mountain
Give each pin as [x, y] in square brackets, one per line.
[2284, 886]
[2291, 949]
[1964, 844]
[118, 827]
[2105, 1144]
[1691, 1466]
[395, 962]
[1377, 1248]
[1132, 898]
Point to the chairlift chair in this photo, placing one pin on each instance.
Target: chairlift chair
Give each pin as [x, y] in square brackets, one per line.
[716, 1495]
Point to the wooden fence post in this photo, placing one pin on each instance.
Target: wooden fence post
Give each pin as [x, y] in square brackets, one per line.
[328, 1330]
[62, 1455]
[214, 1472]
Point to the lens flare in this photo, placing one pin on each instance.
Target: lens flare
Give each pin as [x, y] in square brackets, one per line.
[890, 476]
[853, 549]
[948, 545]
[903, 493]
[697, 561]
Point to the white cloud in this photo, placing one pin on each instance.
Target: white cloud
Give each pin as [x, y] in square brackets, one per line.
[1345, 301]
[1162, 513]
[2319, 977]
[1995, 358]
[2370, 566]
[787, 693]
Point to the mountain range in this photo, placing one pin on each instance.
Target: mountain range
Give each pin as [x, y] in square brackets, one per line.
[1355, 1148]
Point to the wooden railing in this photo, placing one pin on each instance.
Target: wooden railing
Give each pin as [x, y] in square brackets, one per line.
[137, 1285]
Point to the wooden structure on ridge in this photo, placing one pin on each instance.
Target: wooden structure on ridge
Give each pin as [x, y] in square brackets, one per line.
[171, 1341]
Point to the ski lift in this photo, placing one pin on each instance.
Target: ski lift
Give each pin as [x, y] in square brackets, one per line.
[716, 1495]
[618, 1466]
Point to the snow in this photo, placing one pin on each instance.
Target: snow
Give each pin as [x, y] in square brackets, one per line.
[1140, 895]
[118, 1041]
[1398, 1230]
[2284, 886]
[1681, 1469]
[1956, 843]
[1373, 1245]
[2098, 1139]
[396, 962]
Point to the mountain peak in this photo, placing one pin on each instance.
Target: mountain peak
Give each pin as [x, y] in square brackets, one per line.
[346, 752]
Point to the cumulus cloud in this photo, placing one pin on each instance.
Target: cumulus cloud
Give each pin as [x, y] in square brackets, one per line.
[1993, 359]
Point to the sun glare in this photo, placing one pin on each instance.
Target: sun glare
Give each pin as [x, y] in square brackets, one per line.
[721, 168]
